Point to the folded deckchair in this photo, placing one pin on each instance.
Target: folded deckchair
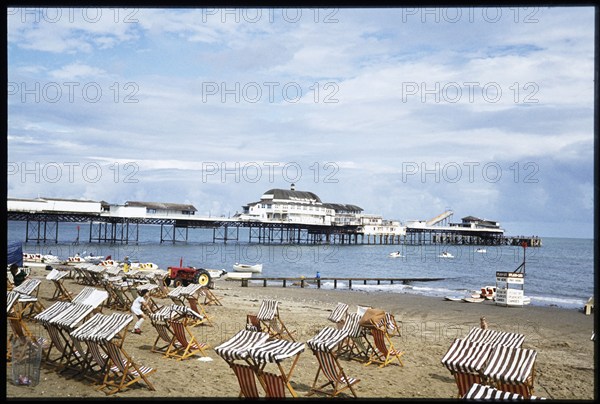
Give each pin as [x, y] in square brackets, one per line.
[270, 321]
[480, 392]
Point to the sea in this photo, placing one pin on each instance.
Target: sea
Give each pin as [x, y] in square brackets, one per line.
[560, 273]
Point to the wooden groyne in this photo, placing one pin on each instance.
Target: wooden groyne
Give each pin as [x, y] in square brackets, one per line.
[302, 282]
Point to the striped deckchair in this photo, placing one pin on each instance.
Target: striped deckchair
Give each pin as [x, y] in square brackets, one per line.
[357, 346]
[481, 392]
[236, 348]
[158, 319]
[324, 346]
[384, 352]
[466, 360]
[92, 296]
[246, 379]
[338, 314]
[28, 298]
[57, 277]
[124, 370]
[493, 337]
[191, 293]
[18, 326]
[512, 370]
[275, 351]
[270, 321]
[209, 297]
[187, 345]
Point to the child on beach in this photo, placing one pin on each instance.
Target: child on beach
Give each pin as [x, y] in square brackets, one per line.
[137, 307]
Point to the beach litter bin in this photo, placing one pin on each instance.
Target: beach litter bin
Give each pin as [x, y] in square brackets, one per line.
[26, 359]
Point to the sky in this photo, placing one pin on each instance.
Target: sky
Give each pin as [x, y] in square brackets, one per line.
[404, 112]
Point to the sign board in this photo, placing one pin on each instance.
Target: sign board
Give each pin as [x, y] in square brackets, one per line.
[509, 288]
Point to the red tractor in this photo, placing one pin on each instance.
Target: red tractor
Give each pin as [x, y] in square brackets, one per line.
[183, 276]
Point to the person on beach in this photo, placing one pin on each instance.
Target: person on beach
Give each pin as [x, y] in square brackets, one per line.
[138, 307]
[18, 274]
[126, 264]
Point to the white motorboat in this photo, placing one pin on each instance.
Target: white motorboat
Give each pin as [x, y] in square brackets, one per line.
[481, 250]
[217, 273]
[256, 268]
[396, 254]
[445, 254]
[237, 275]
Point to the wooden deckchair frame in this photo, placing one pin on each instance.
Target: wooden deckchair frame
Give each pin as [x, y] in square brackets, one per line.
[124, 370]
[187, 345]
[337, 381]
[384, 352]
[270, 320]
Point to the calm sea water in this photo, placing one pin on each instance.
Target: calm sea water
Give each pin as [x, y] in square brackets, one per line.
[560, 273]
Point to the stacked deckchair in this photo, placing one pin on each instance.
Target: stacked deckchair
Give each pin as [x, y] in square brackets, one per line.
[492, 358]
[325, 346]
[105, 336]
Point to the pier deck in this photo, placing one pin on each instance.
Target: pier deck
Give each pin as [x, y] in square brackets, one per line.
[302, 282]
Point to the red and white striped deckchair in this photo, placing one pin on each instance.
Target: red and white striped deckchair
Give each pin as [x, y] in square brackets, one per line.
[466, 360]
[275, 351]
[57, 277]
[268, 316]
[357, 346]
[163, 328]
[384, 352]
[28, 298]
[187, 344]
[92, 296]
[512, 370]
[481, 392]
[493, 337]
[236, 348]
[191, 293]
[324, 346]
[246, 379]
[338, 314]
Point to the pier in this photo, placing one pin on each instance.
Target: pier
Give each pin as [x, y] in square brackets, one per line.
[303, 281]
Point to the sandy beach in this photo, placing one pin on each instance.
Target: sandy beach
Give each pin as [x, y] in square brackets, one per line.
[564, 366]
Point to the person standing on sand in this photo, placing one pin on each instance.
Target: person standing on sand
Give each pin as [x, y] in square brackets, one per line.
[137, 307]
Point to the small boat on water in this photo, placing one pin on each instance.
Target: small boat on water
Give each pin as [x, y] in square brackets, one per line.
[481, 250]
[256, 268]
[396, 254]
[216, 273]
[39, 260]
[445, 254]
[237, 275]
[76, 259]
[144, 266]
